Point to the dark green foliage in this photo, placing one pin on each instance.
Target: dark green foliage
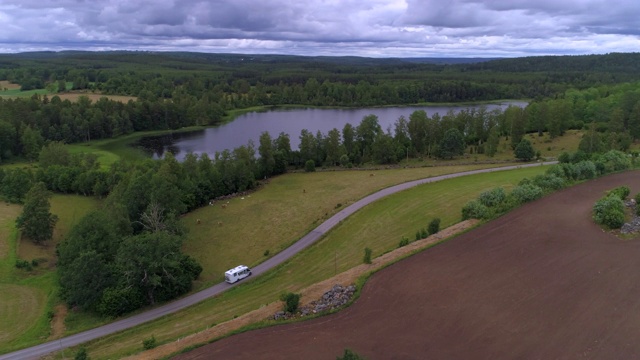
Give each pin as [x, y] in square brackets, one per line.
[367, 256]
[613, 160]
[149, 343]
[418, 235]
[621, 192]
[116, 301]
[434, 226]
[424, 233]
[350, 355]
[492, 197]
[15, 185]
[474, 210]
[23, 264]
[36, 221]
[291, 301]
[526, 192]
[81, 354]
[524, 150]
[105, 269]
[637, 199]
[403, 242]
[452, 144]
[310, 166]
[549, 182]
[609, 211]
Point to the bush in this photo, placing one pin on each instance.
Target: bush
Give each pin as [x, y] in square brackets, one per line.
[474, 210]
[367, 256]
[564, 158]
[548, 182]
[310, 166]
[526, 193]
[621, 192]
[291, 301]
[586, 170]
[418, 235]
[492, 197]
[149, 343]
[424, 233]
[344, 160]
[609, 211]
[434, 226]
[556, 170]
[23, 264]
[349, 355]
[403, 242]
[81, 354]
[614, 160]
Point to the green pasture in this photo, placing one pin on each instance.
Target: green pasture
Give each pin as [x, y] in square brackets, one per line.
[379, 227]
[27, 297]
[286, 209]
[18, 93]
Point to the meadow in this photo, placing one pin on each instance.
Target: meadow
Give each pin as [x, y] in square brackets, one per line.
[27, 297]
[379, 226]
[10, 90]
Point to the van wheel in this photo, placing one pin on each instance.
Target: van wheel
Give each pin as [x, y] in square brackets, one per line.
[250, 273]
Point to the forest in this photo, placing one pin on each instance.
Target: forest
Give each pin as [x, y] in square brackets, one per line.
[599, 94]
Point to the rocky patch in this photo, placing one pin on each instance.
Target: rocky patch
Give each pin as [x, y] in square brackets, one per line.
[333, 299]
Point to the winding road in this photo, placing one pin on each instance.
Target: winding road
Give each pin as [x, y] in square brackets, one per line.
[73, 340]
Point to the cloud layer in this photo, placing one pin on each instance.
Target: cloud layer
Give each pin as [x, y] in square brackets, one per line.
[377, 28]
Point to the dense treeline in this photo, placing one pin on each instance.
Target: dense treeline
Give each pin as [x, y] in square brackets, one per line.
[181, 89]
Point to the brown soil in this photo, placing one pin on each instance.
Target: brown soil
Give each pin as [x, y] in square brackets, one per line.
[542, 282]
[57, 323]
[309, 294]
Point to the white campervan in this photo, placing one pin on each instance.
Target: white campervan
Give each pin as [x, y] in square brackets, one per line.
[237, 273]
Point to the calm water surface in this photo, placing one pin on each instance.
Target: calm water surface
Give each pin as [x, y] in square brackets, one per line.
[249, 127]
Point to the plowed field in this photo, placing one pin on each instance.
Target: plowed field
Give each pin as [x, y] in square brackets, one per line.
[542, 282]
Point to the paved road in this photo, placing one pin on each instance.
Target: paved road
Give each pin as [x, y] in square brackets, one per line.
[310, 238]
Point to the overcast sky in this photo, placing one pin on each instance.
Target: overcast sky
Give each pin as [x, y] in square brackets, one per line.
[374, 28]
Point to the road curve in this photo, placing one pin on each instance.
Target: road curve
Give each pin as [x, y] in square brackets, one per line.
[73, 340]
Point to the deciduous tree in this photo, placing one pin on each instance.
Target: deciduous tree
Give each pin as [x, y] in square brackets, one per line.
[36, 221]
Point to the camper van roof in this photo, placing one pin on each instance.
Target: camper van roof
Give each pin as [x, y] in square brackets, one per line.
[235, 269]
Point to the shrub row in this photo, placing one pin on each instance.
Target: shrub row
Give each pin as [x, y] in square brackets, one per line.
[572, 168]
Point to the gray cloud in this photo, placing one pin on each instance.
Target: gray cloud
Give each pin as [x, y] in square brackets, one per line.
[325, 27]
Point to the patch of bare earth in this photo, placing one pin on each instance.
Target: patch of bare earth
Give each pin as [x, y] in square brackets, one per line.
[542, 282]
[57, 323]
[309, 294]
[4, 84]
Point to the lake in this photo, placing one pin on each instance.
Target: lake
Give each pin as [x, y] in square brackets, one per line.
[249, 127]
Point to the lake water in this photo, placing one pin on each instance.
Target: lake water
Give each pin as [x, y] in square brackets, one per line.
[249, 127]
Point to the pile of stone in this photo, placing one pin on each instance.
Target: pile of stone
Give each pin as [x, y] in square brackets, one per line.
[333, 299]
[633, 226]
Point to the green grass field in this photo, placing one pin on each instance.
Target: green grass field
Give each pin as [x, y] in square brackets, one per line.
[379, 226]
[26, 297]
[285, 210]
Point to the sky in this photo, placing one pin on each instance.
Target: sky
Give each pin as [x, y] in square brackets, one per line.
[369, 28]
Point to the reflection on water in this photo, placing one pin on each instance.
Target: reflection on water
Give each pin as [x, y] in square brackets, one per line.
[249, 127]
[156, 146]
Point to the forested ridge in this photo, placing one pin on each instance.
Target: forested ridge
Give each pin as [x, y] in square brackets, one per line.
[598, 94]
